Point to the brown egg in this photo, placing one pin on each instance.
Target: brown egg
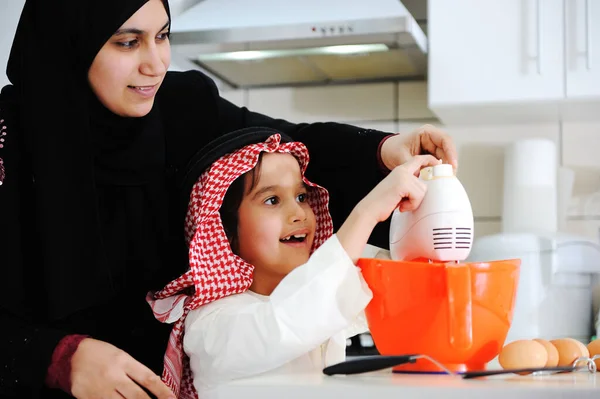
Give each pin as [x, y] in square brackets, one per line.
[594, 348]
[568, 351]
[523, 354]
[584, 350]
[552, 352]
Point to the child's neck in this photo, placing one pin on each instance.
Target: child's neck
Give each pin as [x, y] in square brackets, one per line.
[265, 284]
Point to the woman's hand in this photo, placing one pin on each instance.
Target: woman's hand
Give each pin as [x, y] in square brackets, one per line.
[100, 370]
[427, 139]
[401, 188]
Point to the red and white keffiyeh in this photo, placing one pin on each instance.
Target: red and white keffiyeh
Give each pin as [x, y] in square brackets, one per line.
[215, 271]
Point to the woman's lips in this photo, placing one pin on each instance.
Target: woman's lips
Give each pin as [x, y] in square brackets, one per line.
[144, 91]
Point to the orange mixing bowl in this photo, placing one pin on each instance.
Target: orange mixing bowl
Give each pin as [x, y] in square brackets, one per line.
[457, 313]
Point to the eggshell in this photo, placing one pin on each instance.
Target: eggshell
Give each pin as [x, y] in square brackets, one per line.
[568, 351]
[584, 350]
[523, 354]
[552, 352]
[594, 348]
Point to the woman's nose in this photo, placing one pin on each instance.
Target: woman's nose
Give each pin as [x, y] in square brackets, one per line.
[152, 63]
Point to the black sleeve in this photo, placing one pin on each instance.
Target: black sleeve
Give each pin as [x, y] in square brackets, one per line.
[343, 158]
[25, 354]
[25, 349]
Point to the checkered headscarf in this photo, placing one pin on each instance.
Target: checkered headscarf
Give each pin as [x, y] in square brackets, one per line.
[215, 271]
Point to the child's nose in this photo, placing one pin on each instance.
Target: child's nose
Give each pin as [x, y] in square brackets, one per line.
[297, 213]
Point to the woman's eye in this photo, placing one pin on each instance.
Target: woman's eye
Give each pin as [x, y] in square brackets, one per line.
[163, 36]
[302, 197]
[272, 201]
[128, 44]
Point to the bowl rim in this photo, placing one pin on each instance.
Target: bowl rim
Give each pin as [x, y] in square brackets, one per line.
[511, 263]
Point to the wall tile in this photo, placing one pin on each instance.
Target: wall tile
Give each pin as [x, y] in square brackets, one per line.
[481, 160]
[384, 126]
[588, 228]
[581, 153]
[486, 228]
[370, 251]
[408, 126]
[238, 97]
[412, 101]
[581, 145]
[366, 102]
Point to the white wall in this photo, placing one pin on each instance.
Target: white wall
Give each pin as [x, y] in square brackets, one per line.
[9, 17]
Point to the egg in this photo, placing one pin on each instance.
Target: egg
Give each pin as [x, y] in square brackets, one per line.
[584, 350]
[594, 348]
[523, 354]
[552, 352]
[568, 350]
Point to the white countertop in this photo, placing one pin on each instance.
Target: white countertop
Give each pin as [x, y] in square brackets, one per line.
[385, 384]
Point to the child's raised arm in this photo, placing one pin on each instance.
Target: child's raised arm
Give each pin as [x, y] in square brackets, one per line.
[400, 188]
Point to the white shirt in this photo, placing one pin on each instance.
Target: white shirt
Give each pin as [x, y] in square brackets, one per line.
[301, 327]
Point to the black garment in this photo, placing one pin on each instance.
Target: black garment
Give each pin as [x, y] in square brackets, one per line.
[91, 213]
[79, 151]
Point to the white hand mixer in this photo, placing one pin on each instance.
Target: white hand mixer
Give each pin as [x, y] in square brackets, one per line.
[441, 228]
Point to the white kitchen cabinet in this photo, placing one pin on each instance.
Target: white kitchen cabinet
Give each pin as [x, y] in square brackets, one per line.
[496, 53]
[514, 61]
[582, 60]
[583, 48]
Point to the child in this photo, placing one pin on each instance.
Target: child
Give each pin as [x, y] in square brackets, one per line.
[275, 289]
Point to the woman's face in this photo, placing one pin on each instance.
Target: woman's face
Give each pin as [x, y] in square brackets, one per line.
[130, 67]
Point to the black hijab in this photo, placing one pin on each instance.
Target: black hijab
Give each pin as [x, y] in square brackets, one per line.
[85, 161]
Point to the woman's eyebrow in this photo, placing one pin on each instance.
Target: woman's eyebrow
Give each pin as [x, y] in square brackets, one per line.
[136, 31]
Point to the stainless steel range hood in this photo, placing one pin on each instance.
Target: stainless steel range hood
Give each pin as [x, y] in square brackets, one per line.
[258, 43]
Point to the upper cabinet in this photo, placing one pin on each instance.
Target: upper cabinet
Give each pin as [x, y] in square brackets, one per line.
[582, 60]
[513, 61]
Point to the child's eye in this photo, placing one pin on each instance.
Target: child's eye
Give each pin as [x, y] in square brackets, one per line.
[272, 201]
[302, 197]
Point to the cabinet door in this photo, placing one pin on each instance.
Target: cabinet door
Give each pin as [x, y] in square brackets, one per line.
[583, 48]
[495, 52]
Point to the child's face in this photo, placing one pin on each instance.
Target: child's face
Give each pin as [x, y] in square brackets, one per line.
[276, 226]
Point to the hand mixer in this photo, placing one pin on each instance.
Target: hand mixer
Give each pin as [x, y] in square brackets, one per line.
[441, 228]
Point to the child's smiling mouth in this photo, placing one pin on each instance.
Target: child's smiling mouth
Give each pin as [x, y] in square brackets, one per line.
[298, 237]
[294, 238]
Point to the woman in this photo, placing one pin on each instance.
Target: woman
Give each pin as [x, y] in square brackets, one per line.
[98, 141]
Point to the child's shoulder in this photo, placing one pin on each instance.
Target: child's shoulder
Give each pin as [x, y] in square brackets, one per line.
[230, 303]
[247, 297]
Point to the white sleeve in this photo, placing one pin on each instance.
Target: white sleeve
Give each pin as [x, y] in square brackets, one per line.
[310, 305]
[358, 326]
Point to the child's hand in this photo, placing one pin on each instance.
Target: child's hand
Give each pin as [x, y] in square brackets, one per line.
[401, 188]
